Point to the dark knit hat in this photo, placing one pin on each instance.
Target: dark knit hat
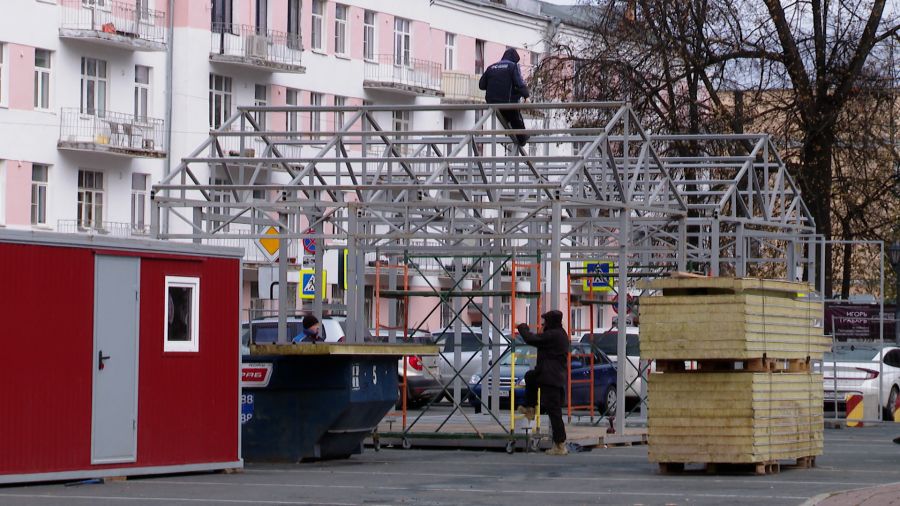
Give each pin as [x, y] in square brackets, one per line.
[552, 318]
[309, 320]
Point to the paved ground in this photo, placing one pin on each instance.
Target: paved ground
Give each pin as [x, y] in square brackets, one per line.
[853, 459]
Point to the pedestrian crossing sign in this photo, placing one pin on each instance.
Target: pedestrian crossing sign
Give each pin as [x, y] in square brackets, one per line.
[307, 287]
[600, 276]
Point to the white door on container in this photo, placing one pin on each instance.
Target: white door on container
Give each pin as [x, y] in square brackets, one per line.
[115, 361]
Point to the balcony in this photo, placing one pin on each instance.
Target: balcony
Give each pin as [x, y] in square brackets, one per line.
[461, 88]
[418, 77]
[110, 23]
[244, 46]
[111, 132]
[108, 228]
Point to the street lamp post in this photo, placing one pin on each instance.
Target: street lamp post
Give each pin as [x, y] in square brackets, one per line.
[894, 256]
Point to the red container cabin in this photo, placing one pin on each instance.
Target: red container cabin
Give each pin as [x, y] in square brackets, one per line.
[121, 357]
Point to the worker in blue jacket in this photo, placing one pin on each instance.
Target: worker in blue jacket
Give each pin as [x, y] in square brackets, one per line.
[503, 84]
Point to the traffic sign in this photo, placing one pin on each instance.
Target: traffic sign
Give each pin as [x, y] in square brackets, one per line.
[309, 244]
[629, 302]
[269, 245]
[307, 286]
[601, 279]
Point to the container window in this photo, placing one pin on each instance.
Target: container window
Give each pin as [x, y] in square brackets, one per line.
[182, 322]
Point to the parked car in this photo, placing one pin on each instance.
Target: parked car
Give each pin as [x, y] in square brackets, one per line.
[607, 340]
[265, 330]
[604, 380]
[860, 368]
[471, 350]
[423, 374]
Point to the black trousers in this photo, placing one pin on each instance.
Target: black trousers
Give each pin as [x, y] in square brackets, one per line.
[514, 118]
[551, 403]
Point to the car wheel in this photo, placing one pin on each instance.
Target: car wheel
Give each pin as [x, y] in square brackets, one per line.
[892, 402]
[609, 404]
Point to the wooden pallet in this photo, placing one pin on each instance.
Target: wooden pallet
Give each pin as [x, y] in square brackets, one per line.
[740, 365]
[758, 468]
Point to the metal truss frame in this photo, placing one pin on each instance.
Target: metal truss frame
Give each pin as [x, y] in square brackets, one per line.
[719, 203]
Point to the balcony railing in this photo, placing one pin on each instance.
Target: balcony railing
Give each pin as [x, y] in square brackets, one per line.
[111, 132]
[461, 87]
[110, 228]
[116, 23]
[420, 77]
[246, 46]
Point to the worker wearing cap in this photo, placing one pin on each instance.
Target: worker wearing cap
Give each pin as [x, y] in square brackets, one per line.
[503, 84]
[310, 331]
[549, 374]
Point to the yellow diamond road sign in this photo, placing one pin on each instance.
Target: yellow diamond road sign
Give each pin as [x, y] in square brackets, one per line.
[269, 246]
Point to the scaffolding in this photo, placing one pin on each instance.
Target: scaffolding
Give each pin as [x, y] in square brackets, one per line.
[649, 203]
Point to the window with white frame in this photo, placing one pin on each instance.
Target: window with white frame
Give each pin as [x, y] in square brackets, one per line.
[479, 57]
[94, 82]
[139, 202]
[262, 16]
[401, 124]
[222, 16]
[293, 24]
[141, 93]
[339, 115]
[219, 100]
[340, 29]
[292, 97]
[317, 36]
[42, 63]
[3, 73]
[90, 199]
[402, 42]
[315, 117]
[220, 212]
[182, 323]
[449, 51]
[260, 99]
[369, 35]
[39, 180]
[143, 8]
[2, 192]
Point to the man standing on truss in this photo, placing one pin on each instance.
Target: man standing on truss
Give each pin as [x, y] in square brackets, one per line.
[549, 374]
[503, 84]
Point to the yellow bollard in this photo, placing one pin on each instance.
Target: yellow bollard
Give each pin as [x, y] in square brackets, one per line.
[897, 410]
[854, 410]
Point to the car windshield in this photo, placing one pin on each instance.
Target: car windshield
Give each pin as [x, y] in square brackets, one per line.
[852, 353]
[469, 341]
[525, 355]
[245, 335]
[268, 332]
[607, 342]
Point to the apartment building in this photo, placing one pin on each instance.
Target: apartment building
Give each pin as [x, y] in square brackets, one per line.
[100, 98]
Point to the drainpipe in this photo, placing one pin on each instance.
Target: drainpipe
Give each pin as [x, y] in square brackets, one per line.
[170, 63]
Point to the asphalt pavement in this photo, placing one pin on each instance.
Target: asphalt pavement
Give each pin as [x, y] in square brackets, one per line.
[854, 459]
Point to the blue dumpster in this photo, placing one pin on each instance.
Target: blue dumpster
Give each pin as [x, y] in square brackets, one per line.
[316, 401]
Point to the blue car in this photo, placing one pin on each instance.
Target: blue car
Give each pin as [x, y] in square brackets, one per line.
[604, 379]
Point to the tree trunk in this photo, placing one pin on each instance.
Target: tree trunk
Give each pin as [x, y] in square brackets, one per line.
[816, 185]
[847, 257]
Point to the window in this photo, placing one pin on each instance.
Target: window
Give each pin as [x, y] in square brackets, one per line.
[340, 29]
[318, 25]
[448, 126]
[401, 124]
[2, 192]
[42, 79]
[90, 199]
[221, 16]
[449, 51]
[220, 196]
[182, 324]
[479, 56]
[143, 9]
[93, 86]
[401, 41]
[262, 16]
[139, 202]
[260, 99]
[3, 73]
[293, 24]
[293, 98]
[315, 117]
[141, 92]
[219, 100]
[39, 174]
[339, 115]
[369, 35]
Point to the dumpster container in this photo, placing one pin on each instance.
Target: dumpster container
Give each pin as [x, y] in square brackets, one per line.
[316, 401]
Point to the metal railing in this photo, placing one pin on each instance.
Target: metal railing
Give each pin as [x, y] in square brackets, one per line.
[115, 18]
[461, 86]
[247, 42]
[416, 73]
[111, 228]
[111, 129]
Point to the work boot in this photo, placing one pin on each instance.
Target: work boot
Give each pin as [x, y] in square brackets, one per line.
[558, 449]
[527, 412]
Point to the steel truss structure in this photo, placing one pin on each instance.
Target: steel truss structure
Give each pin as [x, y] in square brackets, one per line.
[603, 190]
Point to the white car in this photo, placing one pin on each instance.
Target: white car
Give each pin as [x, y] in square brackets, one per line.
[861, 368]
[607, 341]
[265, 331]
[471, 350]
[423, 374]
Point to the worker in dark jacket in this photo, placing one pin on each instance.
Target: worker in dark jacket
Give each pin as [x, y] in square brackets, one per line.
[503, 84]
[549, 374]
